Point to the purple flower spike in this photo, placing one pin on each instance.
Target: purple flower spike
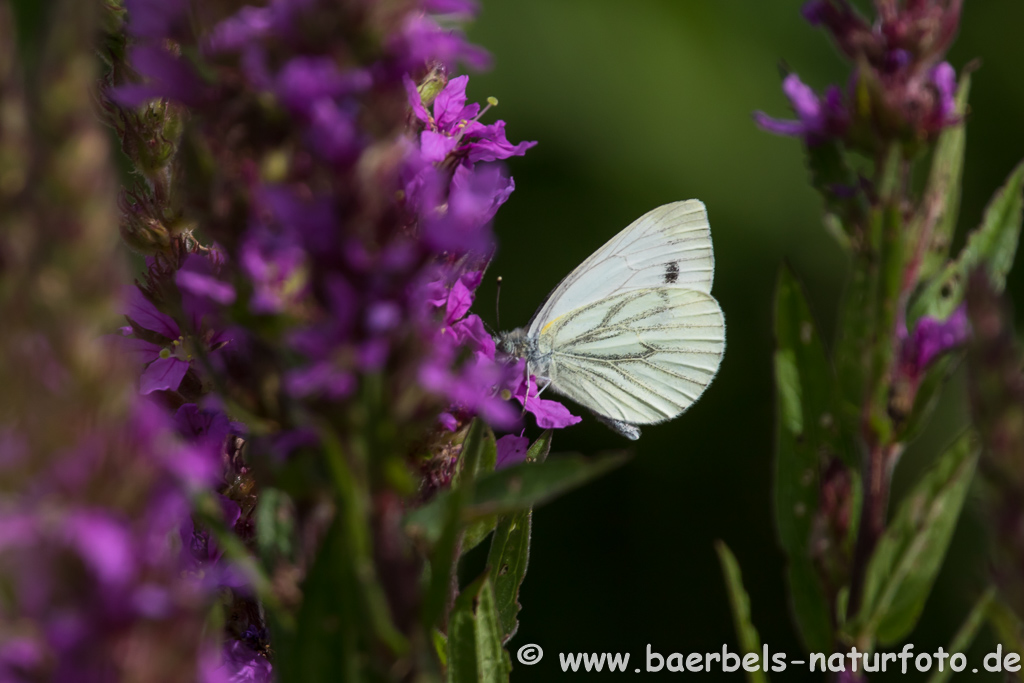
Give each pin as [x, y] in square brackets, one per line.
[932, 338]
[817, 118]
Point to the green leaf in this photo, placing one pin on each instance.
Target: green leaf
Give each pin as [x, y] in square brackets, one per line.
[332, 627]
[508, 559]
[275, 524]
[440, 642]
[927, 396]
[511, 490]
[475, 462]
[352, 520]
[529, 484]
[448, 518]
[909, 554]
[993, 244]
[807, 430]
[479, 529]
[941, 201]
[475, 652]
[750, 641]
[965, 635]
[510, 549]
[1007, 628]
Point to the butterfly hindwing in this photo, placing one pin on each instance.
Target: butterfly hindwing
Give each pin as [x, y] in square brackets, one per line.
[640, 356]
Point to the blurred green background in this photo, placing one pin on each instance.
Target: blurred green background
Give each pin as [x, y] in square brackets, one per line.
[637, 103]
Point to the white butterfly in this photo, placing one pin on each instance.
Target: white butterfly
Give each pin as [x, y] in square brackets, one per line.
[633, 333]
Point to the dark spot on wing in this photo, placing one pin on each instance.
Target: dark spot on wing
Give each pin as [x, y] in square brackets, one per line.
[671, 272]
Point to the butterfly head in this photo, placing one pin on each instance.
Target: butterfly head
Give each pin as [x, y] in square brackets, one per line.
[515, 343]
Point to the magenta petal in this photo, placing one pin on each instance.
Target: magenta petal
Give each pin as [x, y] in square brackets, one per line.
[459, 301]
[104, 544]
[163, 374]
[448, 421]
[450, 102]
[436, 146]
[415, 101]
[511, 450]
[205, 285]
[805, 103]
[140, 349]
[471, 332]
[551, 414]
[142, 311]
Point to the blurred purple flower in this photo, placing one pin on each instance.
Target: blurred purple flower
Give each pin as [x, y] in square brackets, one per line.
[943, 77]
[818, 119]
[475, 195]
[932, 338]
[241, 664]
[167, 76]
[422, 40]
[157, 20]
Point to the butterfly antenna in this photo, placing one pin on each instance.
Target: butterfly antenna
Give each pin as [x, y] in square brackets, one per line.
[497, 309]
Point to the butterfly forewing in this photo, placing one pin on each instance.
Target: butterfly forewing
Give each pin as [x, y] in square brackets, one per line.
[667, 247]
[639, 356]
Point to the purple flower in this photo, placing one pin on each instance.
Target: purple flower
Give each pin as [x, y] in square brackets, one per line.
[157, 20]
[548, 414]
[932, 338]
[276, 268]
[475, 195]
[818, 119]
[166, 364]
[454, 127]
[237, 31]
[512, 450]
[166, 76]
[159, 342]
[304, 81]
[943, 78]
[201, 288]
[422, 41]
[240, 664]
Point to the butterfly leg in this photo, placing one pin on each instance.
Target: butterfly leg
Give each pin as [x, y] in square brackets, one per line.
[526, 398]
